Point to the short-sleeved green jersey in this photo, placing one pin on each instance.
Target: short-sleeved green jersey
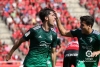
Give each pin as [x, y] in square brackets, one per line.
[87, 45]
[41, 43]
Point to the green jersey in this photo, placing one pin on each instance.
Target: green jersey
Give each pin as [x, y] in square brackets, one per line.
[41, 43]
[87, 45]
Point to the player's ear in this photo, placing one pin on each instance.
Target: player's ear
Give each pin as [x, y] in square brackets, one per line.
[90, 26]
[46, 18]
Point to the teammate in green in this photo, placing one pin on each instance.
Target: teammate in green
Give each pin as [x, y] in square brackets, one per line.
[43, 40]
[89, 41]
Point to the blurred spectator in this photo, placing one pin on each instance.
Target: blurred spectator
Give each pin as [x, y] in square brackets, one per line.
[9, 20]
[93, 7]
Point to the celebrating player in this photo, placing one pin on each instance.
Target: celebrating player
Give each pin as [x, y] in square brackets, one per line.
[42, 39]
[89, 41]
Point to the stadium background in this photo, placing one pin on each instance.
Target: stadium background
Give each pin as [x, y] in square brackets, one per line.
[17, 16]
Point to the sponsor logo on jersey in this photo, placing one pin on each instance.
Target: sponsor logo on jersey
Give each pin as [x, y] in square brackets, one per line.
[89, 53]
[81, 38]
[43, 43]
[89, 57]
[50, 37]
[90, 39]
[87, 47]
[40, 36]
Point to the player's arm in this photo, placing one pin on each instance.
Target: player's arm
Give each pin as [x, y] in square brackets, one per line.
[26, 37]
[96, 53]
[17, 44]
[53, 56]
[60, 46]
[53, 47]
[59, 50]
[62, 30]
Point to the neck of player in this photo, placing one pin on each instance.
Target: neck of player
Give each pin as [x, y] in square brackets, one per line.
[89, 31]
[45, 27]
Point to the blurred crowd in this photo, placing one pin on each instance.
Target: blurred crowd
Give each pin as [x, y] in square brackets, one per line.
[94, 8]
[4, 49]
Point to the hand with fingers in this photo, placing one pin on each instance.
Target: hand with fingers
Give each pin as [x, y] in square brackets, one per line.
[56, 15]
[95, 53]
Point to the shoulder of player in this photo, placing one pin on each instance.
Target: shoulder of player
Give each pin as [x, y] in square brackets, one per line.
[36, 27]
[52, 29]
[96, 32]
[78, 29]
[53, 32]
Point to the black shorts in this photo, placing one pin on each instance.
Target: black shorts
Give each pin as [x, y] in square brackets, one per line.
[70, 57]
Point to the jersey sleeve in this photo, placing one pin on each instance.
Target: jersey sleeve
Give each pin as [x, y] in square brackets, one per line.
[99, 39]
[75, 32]
[58, 41]
[54, 42]
[27, 35]
[97, 34]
